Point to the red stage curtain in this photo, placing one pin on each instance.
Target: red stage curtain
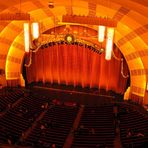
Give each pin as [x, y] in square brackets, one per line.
[77, 65]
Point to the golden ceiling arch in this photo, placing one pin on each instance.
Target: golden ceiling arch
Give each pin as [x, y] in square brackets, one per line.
[130, 15]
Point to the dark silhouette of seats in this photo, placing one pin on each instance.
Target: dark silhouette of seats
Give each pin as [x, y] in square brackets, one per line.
[137, 123]
[8, 98]
[17, 120]
[100, 119]
[57, 121]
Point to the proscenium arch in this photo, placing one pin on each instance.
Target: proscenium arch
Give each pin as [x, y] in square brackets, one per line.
[129, 19]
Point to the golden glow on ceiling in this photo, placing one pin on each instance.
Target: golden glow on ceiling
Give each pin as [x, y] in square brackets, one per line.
[135, 18]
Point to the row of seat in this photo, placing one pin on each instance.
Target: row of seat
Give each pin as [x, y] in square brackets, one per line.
[54, 127]
[95, 128]
[18, 119]
[133, 121]
[9, 97]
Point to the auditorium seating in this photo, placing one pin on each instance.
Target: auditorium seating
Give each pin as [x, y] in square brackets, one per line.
[95, 128]
[137, 122]
[57, 123]
[17, 120]
[7, 98]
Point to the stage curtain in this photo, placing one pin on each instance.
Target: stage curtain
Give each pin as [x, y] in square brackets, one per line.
[78, 66]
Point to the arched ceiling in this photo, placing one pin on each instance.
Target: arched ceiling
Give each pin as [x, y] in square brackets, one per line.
[131, 34]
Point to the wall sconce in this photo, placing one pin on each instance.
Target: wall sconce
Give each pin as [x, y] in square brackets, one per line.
[26, 37]
[31, 35]
[101, 33]
[109, 39]
[109, 43]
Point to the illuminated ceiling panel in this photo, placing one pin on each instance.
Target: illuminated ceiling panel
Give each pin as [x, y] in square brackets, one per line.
[144, 37]
[138, 17]
[105, 11]
[145, 61]
[82, 11]
[80, 4]
[123, 29]
[135, 64]
[128, 21]
[136, 79]
[58, 10]
[127, 48]
[38, 14]
[138, 43]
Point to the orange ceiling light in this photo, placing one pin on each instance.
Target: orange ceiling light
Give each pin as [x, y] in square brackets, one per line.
[26, 37]
[31, 34]
[35, 30]
[101, 33]
[109, 43]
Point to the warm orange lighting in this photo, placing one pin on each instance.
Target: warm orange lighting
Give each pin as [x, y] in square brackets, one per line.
[26, 36]
[101, 33]
[147, 86]
[109, 44]
[69, 38]
[35, 30]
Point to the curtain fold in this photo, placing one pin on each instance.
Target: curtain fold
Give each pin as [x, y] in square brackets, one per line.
[77, 65]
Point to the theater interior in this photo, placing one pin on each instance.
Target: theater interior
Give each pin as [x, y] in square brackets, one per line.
[73, 74]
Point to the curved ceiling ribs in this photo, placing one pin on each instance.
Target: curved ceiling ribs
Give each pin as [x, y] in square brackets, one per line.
[131, 32]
